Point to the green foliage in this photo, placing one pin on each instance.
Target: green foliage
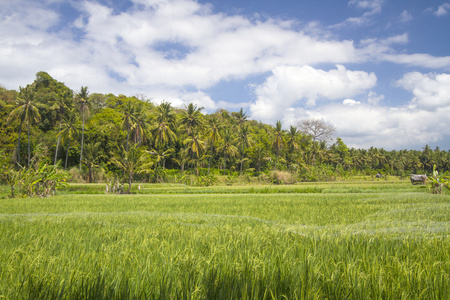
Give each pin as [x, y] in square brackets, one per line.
[437, 182]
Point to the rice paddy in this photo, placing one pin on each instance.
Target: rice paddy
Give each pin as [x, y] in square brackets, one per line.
[337, 243]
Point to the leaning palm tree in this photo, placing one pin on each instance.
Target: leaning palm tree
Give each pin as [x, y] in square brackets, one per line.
[83, 100]
[27, 110]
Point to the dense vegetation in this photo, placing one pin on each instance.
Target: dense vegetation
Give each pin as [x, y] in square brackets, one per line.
[367, 240]
[107, 137]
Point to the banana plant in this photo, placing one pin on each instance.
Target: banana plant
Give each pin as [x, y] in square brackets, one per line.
[437, 182]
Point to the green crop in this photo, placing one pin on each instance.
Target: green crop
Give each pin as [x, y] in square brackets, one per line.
[367, 245]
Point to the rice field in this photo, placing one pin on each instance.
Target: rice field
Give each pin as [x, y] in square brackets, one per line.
[337, 243]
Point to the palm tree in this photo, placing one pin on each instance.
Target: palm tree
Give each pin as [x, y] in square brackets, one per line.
[291, 143]
[196, 146]
[83, 100]
[91, 158]
[62, 105]
[164, 131]
[141, 127]
[240, 117]
[69, 131]
[131, 163]
[245, 141]
[191, 118]
[227, 147]
[278, 142]
[214, 136]
[130, 118]
[27, 110]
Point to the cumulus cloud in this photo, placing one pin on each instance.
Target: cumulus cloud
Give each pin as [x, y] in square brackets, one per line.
[292, 85]
[431, 91]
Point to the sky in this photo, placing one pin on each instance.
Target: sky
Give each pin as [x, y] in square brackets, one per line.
[378, 70]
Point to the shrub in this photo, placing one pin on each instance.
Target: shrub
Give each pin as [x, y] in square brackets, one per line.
[282, 177]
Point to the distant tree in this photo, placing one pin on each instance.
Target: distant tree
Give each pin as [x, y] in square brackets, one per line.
[83, 100]
[131, 163]
[214, 136]
[26, 110]
[318, 130]
[191, 118]
[278, 141]
[69, 131]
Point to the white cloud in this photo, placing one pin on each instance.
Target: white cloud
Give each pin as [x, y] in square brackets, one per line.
[442, 9]
[431, 91]
[350, 102]
[292, 85]
[405, 17]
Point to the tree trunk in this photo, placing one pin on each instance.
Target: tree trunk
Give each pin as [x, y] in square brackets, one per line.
[18, 143]
[130, 178]
[67, 155]
[242, 158]
[57, 144]
[28, 125]
[82, 140]
[210, 156]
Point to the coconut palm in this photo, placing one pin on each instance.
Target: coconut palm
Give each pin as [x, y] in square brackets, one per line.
[244, 141]
[213, 136]
[91, 158]
[196, 147]
[129, 119]
[227, 147]
[164, 131]
[69, 131]
[27, 110]
[278, 141]
[131, 163]
[61, 105]
[83, 100]
[191, 118]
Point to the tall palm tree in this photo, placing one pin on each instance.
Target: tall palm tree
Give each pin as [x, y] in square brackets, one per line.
[244, 141]
[69, 131]
[241, 117]
[291, 143]
[129, 119]
[141, 126]
[83, 100]
[196, 147]
[27, 110]
[213, 136]
[278, 141]
[165, 123]
[61, 105]
[227, 147]
[191, 118]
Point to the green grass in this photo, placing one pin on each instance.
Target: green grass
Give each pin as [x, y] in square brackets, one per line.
[355, 241]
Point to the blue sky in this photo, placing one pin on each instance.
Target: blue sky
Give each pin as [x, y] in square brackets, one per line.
[379, 70]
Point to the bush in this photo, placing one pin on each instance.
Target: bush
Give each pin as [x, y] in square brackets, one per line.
[282, 177]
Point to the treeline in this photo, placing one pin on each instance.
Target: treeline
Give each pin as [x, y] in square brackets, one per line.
[99, 136]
